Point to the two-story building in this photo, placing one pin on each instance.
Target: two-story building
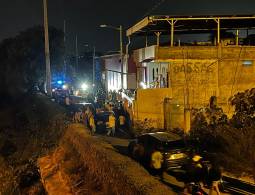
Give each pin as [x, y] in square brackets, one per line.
[182, 75]
[111, 72]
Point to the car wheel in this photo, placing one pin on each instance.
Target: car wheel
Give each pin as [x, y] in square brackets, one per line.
[156, 160]
[131, 146]
[137, 151]
[221, 186]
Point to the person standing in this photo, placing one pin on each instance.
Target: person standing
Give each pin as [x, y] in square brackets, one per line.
[86, 117]
[195, 172]
[122, 121]
[91, 121]
[214, 178]
[111, 125]
[67, 101]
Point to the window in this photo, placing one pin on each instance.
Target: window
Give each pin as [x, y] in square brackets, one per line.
[247, 62]
[153, 74]
[163, 70]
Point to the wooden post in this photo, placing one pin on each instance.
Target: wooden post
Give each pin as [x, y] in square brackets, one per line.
[47, 50]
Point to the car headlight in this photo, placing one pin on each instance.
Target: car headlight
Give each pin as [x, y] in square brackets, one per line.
[65, 87]
[177, 156]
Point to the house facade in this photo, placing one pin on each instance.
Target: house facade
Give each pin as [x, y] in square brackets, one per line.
[176, 78]
[111, 72]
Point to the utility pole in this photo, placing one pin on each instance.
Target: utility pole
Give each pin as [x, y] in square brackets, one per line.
[120, 29]
[65, 49]
[121, 57]
[94, 55]
[76, 55]
[47, 50]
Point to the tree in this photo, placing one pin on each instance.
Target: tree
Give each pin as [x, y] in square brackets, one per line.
[22, 63]
[244, 103]
[233, 139]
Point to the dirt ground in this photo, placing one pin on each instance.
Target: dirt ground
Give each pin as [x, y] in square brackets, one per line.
[88, 165]
[64, 173]
[30, 128]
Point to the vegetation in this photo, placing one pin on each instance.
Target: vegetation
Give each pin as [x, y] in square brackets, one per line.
[29, 129]
[111, 172]
[232, 139]
[30, 124]
[22, 63]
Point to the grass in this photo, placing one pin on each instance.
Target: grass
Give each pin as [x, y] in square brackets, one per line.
[31, 128]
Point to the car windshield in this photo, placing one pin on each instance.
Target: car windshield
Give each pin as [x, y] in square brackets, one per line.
[179, 144]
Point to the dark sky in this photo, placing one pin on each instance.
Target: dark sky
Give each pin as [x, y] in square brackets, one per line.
[83, 17]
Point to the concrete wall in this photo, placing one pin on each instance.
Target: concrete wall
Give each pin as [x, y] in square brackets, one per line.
[197, 73]
[149, 104]
[144, 54]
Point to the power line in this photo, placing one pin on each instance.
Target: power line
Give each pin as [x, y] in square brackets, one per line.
[156, 5]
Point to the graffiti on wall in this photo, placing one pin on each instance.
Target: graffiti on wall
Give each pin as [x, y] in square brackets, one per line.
[193, 68]
[195, 72]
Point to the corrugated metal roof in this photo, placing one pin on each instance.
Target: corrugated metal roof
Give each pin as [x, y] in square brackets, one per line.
[190, 24]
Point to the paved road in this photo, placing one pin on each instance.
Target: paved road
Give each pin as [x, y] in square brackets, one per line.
[121, 146]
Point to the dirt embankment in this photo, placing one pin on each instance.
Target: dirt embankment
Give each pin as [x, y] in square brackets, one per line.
[29, 128]
[85, 165]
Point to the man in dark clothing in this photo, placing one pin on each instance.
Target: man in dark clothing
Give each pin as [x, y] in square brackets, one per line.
[195, 171]
[214, 177]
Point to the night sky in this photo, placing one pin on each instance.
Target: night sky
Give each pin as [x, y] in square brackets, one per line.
[83, 17]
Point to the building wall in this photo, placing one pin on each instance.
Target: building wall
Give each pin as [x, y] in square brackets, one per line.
[147, 53]
[111, 72]
[131, 78]
[149, 105]
[196, 74]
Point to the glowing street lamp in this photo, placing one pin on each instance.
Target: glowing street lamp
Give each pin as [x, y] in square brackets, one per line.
[84, 86]
[121, 46]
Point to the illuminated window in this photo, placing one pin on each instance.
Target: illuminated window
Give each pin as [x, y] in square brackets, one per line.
[247, 62]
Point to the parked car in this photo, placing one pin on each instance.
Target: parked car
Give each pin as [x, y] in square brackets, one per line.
[59, 95]
[101, 121]
[159, 151]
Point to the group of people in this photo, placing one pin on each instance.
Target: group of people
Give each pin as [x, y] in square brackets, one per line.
[85, 116]
[110, 116]
[204, 174]
[116, 118]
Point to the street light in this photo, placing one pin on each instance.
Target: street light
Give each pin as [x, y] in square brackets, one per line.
[121, 46]
[94, 55]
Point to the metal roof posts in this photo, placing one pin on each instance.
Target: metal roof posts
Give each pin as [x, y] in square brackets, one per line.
[237, 37]
[218, 30]
[158, 36]
[172, 23]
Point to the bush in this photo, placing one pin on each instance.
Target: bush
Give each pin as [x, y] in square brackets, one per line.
[31, 130]
[235, 138]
